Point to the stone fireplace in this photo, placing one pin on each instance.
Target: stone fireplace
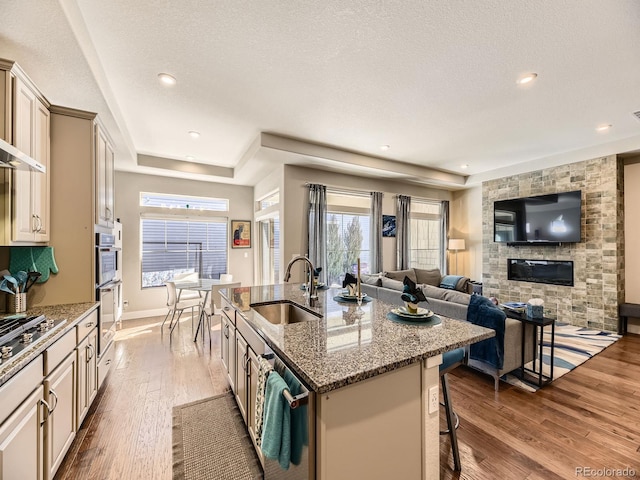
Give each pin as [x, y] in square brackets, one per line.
[597, 260]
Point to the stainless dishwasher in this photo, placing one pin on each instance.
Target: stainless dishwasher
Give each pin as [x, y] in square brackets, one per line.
[302, 408]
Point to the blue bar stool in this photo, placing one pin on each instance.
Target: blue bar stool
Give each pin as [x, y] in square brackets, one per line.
[451, 360]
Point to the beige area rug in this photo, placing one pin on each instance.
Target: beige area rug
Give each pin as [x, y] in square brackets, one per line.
[210, 441]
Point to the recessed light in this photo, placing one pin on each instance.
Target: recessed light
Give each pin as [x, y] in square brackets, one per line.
[194, 134]
[527, 78]
[385, 147]
[190, 157]
[465, 166]
[603, 127]
[167, 79]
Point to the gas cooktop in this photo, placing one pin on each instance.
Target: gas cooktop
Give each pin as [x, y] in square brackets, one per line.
[20, 333]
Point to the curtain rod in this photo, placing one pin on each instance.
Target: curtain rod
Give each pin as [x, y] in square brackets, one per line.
[343, 190]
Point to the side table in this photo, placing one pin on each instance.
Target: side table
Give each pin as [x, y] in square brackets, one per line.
[538, 325]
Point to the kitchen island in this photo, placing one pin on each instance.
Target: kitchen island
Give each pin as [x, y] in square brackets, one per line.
[369, 379]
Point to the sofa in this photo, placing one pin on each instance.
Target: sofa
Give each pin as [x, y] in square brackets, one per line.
[453, 303]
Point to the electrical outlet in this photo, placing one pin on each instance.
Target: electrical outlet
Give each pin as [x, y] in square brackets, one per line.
[125, 304]
[433, 399]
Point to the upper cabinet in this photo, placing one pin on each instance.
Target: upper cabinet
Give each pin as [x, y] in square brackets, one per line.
[26, 125]
[104, 178]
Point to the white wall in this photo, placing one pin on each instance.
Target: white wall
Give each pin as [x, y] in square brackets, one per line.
[466, 223]
[631, 235]
[296, 199]
[152, 301]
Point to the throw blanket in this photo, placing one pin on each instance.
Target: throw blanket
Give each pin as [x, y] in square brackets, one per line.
[484, 313]
[264, 368]
[450, 281]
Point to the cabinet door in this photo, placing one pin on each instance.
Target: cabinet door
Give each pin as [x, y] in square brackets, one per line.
[232, 357]
[224, 343]
[241, 375]
[83, 400]
[104, 179]
[108, 184]
[60, 426]
[92, 367]
[23, 139]
[252, 383]
[21, 441]
[40, 182]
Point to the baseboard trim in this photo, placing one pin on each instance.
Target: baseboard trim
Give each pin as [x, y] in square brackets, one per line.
[156, 312]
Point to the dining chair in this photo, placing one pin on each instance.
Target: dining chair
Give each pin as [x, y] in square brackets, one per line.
[187, 277]
[177, 306]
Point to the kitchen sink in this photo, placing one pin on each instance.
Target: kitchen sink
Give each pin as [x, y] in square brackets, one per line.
[283, 313]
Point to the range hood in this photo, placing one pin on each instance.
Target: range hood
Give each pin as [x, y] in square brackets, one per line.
[11, 157]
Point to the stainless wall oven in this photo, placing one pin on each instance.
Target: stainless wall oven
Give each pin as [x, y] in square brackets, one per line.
[107, 287]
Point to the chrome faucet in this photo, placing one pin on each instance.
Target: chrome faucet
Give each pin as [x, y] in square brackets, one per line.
[311, 288]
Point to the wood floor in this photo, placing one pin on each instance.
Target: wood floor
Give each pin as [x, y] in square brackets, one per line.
[589, 418]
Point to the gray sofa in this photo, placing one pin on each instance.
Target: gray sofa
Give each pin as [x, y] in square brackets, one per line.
[388, 286]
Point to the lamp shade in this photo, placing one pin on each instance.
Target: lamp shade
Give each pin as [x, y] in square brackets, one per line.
[456, 244]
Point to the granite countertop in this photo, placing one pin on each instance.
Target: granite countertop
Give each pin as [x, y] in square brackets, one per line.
[72, 313]
[349, 343]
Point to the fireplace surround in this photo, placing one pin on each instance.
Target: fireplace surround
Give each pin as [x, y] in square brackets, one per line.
[553, 272]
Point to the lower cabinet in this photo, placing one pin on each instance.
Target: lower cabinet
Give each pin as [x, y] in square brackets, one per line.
[87, 375]
[252, 384]
[224, 342]
[241, 374]
[22, 440]
[60, 424]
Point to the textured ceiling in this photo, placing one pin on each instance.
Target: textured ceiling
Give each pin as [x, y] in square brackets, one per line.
[434, 80]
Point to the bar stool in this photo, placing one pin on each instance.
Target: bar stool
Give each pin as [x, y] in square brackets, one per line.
[451, 360]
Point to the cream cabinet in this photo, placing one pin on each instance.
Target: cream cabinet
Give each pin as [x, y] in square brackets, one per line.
[242, 352]
[26, 125]
[22, 415]
[21, 441]
[86, 354]
[104, 178]
[60, 425]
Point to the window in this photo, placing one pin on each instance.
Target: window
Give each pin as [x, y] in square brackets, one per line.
[165, 200]
[180, 235]
[425, 244]
[173, 246]
[269, 250]
[348, 227]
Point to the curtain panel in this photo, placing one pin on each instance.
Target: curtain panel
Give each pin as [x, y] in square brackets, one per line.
[317, 232]
[403, 207]
[375, 240]
[444, 235]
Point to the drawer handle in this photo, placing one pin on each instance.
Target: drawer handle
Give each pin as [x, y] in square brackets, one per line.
[108, 362]
[55, 397]
[89, 325]
[44, 402]
[91, 351]
[244, 361]
[226, 309]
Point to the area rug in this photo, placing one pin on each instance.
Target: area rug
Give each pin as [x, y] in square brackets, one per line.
[573, 346]
[210, 441]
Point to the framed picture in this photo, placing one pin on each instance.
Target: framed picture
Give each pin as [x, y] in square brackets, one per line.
[242, 298]
[240, 234]
[388, 225]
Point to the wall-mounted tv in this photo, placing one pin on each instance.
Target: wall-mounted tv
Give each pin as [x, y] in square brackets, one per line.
[542, 219]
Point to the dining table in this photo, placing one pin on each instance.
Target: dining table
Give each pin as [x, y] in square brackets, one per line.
[200, 285]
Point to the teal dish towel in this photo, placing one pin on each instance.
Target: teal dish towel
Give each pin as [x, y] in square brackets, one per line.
[299, 427]
[276, 428]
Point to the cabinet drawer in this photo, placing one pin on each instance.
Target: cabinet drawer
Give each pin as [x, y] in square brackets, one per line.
[19, 387]
[86, 325]
[104, 364]
[57, 352]
[228, 310]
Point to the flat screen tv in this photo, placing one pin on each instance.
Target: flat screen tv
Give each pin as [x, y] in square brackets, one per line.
[553, 218]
